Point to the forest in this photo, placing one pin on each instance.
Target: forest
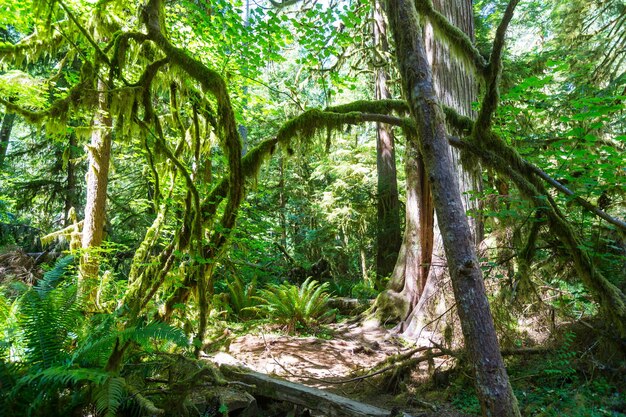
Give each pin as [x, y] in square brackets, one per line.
[312, 208]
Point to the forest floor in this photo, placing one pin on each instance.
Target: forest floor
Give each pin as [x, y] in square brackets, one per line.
[327, 363]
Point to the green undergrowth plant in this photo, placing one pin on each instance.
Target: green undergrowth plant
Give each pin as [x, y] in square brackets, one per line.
[57, 360]
[242, 298]
[296, 307]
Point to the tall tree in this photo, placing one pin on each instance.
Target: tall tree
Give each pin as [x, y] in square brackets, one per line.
[389, 235]
[5, 134]
[421, 267]
[494, 391]
[97, 183]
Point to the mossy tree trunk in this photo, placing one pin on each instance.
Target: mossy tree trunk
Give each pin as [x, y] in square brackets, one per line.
[455, 87]
[389, 235]
[421, 268]
[5, 134]
[494, 391]
[99, 154]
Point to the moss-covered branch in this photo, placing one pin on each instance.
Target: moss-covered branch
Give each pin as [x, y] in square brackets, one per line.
[494, 70]
[306, 126]
[610, 299]
[459, 43]
[33, 44]
[372, 106]
[78, 96]
[212, 82]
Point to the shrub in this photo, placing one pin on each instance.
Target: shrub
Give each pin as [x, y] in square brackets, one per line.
[296, 307]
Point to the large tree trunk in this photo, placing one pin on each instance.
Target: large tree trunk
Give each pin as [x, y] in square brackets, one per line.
[388, 236]
[455, 88]
[5, 134]
[421, 266]
[494, 391]
[99, 151]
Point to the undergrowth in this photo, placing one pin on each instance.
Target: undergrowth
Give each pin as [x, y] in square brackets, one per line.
[552, 385]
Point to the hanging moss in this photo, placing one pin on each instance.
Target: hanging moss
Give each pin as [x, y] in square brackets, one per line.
[458, 42]
[77, 97]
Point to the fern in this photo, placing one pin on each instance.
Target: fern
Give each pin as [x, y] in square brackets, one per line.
[109, 396]
[53, 277]
[47, 322]
[242, 297]
[294, 306]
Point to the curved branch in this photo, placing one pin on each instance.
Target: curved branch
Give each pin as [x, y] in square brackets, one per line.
[609, 297]
[494, 70]
[458, 143]
[211, 81]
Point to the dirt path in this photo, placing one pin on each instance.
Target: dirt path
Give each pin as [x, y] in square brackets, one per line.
[314, 362]
[310, 360]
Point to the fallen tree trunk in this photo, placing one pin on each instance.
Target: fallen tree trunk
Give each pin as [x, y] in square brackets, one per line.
[329, 404]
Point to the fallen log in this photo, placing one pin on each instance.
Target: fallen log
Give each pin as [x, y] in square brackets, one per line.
[329, 404]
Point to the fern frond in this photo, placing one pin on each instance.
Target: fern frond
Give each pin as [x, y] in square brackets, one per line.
[53, 277]
[110, 395]
[292, 305]
[155, 330]
[64, 376]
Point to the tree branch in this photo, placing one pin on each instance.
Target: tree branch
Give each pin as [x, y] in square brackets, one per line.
[494, 70]
[463, 145]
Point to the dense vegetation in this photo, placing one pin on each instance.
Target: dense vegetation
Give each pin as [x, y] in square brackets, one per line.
[175, 174]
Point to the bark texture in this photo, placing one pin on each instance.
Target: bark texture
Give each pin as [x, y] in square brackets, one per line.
[389, 236]
[494, 391]
[99, 151]
[5, 133]
[456, 89]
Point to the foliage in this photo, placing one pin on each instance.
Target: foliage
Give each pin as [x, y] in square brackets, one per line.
[296, 307]
[242, 297]
[54, 359]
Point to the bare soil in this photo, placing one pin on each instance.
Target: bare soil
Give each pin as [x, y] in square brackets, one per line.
[353, 350]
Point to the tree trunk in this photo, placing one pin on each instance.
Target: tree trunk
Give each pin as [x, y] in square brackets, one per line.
[494, 391]
[388, 236]
[455, 88]
[71, 192]
[99, 151]
[5, 134]
[421, 267]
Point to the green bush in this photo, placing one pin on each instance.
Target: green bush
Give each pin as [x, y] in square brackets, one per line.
[242, 298]
[296, 307]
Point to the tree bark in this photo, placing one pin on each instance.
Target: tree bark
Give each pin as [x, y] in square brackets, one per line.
[494, 391]
[71, 191]
[5, 133]
[455, 88]
[420, 269]
[388, 236]
[99, 151]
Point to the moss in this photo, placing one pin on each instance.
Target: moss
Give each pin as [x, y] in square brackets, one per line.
[611, 300]
[78, 96]
[375, 106]
[456, 120]
[458, 42]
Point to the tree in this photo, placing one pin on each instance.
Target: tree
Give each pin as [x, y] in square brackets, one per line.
[494, 391]
[420, 270]
[388, 236]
